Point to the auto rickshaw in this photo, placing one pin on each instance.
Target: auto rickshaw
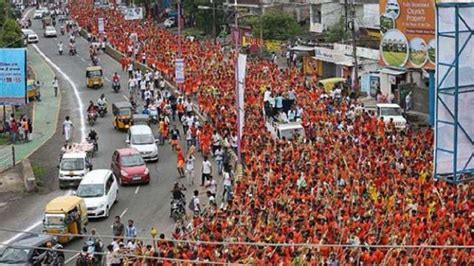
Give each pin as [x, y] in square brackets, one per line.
[141, 119]
[330, 83]
[65, 215]
[47, 21]
[94, 76]
[32, 90]
[122, 112]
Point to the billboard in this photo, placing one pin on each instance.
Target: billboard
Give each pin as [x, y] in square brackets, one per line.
[13, 76]
[407, 28]
[133, 13]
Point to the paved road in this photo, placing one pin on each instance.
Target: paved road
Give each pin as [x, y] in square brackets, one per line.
[147, 205]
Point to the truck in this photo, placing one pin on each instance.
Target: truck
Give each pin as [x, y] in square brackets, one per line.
[389, 111]
[280, 130]
[74, 164]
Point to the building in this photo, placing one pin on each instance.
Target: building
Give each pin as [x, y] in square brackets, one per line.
[325, 14]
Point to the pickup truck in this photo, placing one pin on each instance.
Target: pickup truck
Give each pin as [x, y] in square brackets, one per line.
[389, 111]
[285, 130]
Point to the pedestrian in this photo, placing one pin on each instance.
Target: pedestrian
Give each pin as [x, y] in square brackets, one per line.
[288, 58]
[68, 129]
[274, 58]
[180, 161]
[211, 186]
[174, 138]
[130, 69]
[118, 229]
[190, 169]
[195, 204]
[227, 183]
[13, 130]
[111, 257]
[55, 86]
[219, 157]
[206, 170]
[131, 230]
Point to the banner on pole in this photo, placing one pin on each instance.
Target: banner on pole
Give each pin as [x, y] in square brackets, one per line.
[241, 68]
[179, 71]
[101, 25]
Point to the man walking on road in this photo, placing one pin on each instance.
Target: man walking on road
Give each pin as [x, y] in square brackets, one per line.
[206, 170]
[55, 86]
[118, 229]
[68, 128]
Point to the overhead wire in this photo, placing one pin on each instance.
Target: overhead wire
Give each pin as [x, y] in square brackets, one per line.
[246, 243]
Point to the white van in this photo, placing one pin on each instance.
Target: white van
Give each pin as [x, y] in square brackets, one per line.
[99, 189]
[141, 138]
[72, 168]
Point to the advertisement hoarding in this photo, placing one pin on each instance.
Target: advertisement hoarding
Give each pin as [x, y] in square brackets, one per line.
[132, 13]
[101, 25]
[179, 71]
[13, 76]
[408, 33]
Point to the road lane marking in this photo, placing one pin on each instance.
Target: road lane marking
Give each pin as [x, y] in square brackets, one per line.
[82, 59]
[107, 79]
[126, 98]
[66, 262]
[137, 189]
[123, 213]
[75, 90]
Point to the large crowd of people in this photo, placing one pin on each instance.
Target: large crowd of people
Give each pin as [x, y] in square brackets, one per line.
[354, 182]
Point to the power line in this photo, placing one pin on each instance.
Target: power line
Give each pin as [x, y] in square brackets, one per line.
[261, 244]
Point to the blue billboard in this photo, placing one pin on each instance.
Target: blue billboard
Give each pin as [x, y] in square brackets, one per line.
[13, 76]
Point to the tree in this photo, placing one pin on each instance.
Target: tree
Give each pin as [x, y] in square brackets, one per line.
[337, 33]
[274, 25]
[10, 31]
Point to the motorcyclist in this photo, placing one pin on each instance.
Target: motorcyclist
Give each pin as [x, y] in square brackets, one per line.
[178, 195]
[102, 102]
[60, 47]
[50, 256]
[92, 108]
[92, 136]
[72, 48]
[115, 78]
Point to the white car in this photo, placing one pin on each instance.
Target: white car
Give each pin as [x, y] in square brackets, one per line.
[31, 36]
[169, 22]
[38, 14]
[100, 191]
[50, 31]
[141, 138]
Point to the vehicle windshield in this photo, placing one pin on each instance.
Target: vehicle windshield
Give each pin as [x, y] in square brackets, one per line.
[124, 111]
[95, 74]
[391, 111]
[142, 139]
[90, 190]
[132, 160]
[15, 256]
[56, 220]
[72, 164]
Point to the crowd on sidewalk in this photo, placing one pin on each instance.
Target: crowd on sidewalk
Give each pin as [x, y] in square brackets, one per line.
[354, 180]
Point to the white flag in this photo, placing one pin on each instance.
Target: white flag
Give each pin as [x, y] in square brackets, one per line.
[241, 67]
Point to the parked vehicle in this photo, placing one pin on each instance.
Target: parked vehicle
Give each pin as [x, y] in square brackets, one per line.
[129, 167]
[100, 191]
[35, 255]
[65, 215]
[170, 22]
[389, 111]
[141, 138]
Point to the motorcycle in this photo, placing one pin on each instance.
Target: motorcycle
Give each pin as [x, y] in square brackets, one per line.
[178, 210]
[102, 110]
[94, 249]
[116, 86]
[95, 145]
[95, 60]
[153, 114]
[91, 118]
[62, 30]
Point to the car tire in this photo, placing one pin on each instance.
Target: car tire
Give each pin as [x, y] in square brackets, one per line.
[107, 213]
[60, 260]
[61, 186]
[120, 181]
[116, 197]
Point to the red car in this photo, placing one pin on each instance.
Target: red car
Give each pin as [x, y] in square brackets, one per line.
[129, 167]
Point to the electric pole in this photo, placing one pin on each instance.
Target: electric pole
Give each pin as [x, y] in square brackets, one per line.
[355, 81]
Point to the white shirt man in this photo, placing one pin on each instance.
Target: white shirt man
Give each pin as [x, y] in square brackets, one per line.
[68, 127]
[206, 170]
[190, 170]
[211, 186]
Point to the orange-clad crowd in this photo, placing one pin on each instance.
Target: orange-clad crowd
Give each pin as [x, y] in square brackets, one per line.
[353, 180]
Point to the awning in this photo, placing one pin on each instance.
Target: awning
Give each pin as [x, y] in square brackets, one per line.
[391, 71]
[302, 48]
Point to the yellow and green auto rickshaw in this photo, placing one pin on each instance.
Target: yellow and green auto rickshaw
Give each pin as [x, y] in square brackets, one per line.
[330, 83]
[32, 90]
[122, 112]
[66, 217]
[94, 77]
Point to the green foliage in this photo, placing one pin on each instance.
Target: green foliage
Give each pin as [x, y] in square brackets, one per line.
[10, 31]
[11, 35]
[204, 19]
[337, 33]
[274, 25]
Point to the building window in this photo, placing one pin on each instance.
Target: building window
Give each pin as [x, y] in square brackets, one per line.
[315, 13]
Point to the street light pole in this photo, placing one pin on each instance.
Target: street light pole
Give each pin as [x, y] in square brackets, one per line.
[237, 98]
[213, 2]
[179, 29]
